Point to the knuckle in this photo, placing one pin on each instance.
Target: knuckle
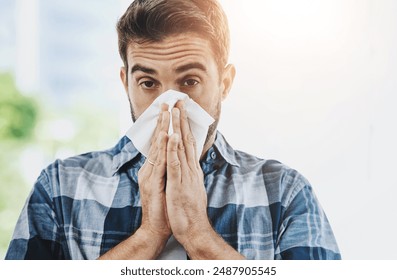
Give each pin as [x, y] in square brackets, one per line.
[153, 142]
[189, 138]
[183, 115]
[174, 163]
[160, 162]
[172, 148]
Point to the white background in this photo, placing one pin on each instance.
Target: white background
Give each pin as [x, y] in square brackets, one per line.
[316, 88]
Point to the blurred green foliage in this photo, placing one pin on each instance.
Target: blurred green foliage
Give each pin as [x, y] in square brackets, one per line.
[18, 113]
[34, 125]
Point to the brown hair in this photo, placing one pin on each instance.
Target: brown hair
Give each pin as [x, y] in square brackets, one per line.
[153, 20]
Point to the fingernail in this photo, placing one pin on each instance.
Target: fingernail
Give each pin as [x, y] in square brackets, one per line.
[176, 111]
[164, 107]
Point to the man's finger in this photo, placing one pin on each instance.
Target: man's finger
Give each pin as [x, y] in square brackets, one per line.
[162, 121]
[176, 123]
[165, 121]
[157, 129]
[160, 165]
[187, 136]
[173, 162]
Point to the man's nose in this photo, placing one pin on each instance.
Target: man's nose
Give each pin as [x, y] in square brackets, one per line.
[172, 86]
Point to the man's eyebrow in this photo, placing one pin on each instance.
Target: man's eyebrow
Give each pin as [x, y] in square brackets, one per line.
[195, 65]
[138, 67]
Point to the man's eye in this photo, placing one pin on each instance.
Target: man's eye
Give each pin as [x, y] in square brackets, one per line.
[148, 84]
[190, 82]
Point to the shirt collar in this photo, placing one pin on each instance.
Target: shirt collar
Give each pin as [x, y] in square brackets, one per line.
[125, 151]
[224, 149]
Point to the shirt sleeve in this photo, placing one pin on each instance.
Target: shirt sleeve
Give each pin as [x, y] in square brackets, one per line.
[305, 233]
[36, 235]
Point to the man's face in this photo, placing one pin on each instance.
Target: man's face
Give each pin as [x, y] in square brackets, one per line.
[185, 63]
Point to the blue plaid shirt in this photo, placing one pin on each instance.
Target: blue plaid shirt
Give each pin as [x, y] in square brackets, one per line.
[83, 206]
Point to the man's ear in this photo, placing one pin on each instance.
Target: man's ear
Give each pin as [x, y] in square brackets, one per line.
[124, 78]
[227, 79]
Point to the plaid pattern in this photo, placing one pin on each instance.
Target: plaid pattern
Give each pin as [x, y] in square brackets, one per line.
[83, 206]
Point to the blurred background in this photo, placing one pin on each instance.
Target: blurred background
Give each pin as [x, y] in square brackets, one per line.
[316, 89]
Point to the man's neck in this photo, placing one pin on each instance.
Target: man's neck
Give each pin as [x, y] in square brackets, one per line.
[208, 144]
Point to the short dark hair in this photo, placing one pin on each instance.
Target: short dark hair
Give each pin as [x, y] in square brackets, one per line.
[154, 20]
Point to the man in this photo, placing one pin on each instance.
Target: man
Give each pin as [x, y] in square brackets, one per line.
[119, 204]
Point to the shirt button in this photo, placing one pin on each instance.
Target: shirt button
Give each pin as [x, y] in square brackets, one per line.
[213, 155]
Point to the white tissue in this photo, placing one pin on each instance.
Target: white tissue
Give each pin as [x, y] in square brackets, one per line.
[142, 130]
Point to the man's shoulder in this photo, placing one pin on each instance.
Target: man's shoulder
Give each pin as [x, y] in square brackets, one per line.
[269, 168]
[278, 178]
[102, 163]
[90, 162]
[259, 169]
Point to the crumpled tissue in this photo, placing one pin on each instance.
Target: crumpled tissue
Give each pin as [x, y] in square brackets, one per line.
[142, 130]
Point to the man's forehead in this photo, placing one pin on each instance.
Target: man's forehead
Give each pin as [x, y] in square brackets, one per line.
[171, 47]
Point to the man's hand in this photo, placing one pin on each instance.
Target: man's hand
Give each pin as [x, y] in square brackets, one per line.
[151, 180]
[186, 196]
